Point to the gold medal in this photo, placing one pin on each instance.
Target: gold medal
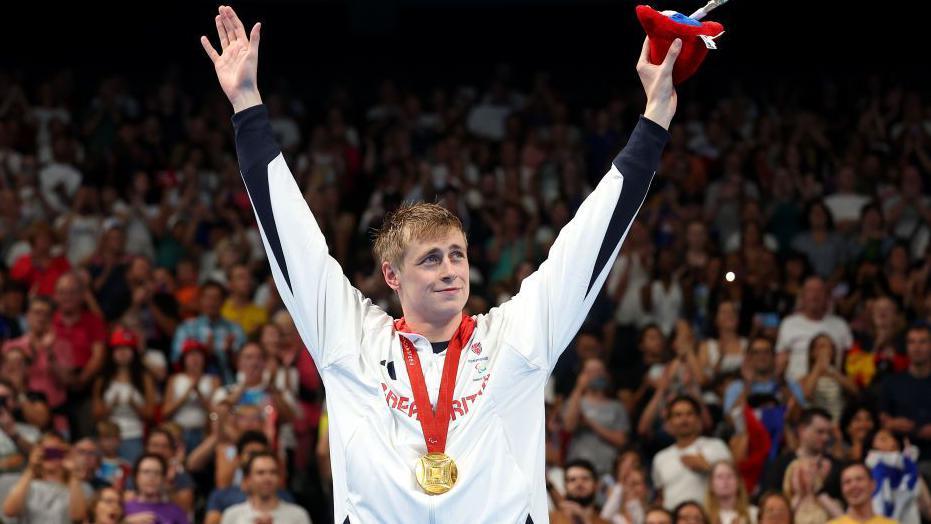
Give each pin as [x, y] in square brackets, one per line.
[436, 473]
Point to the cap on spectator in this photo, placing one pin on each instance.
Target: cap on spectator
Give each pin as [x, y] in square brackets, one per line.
[192, 344]
[123, 337]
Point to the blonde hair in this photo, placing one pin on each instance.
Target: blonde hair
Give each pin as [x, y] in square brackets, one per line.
[742, 506]
[409, 222]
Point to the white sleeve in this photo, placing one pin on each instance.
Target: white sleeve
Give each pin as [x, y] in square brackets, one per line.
[326, 309]
[782, 335]
[717, 451]
[554, 301]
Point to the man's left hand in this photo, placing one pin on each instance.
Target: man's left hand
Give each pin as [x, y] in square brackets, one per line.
[657, 83]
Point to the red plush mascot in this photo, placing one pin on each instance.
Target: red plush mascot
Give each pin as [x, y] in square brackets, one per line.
[664, 27]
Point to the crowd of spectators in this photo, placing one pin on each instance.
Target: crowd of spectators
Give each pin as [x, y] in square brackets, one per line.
[760, 353]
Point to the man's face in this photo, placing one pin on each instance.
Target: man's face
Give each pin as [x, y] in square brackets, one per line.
[252, 362]
[814, 437]
[211, 300]
[159, 444]
[149, 477]
[89, 456]
[68, 293]
[918, 345]
[683, 420]
[856, 486]
[109, 445]
[580, 484]
[761, 356]
[240, 281]
[263, 477]
[814, 297]
[433, 280]
[39, 317]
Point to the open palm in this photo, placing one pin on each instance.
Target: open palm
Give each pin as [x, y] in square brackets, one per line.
[238, 61]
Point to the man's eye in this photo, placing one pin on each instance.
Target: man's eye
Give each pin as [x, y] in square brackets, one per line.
[432, 259]
[457, 255]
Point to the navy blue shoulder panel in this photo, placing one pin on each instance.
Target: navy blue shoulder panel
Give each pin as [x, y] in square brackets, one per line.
[256, 147]
[637, 162]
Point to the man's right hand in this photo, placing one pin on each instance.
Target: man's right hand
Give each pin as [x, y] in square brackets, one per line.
[237, 65]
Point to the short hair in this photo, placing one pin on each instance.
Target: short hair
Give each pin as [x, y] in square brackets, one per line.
[809, 414]
[920, 326]
[896, 436]
[164, 432]
[215, 285]
[39, 299]
[764, 338]
[247, 467]
[584, 464]
[409, 222]
[856, 464]
[158, 458]
[775, 494]
[250, 437]
[107, 428]
[683, 398]
[687, 503]
[659, 509]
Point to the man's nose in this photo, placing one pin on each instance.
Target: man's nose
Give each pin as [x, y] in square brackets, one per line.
[447, 270]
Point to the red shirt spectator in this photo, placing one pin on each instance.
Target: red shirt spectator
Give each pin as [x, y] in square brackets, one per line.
[83, 333]
[39, 269]
[49, 354]
[85, 330]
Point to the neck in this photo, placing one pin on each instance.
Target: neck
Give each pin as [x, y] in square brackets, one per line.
[814, 315]
[440, 331]
[727, 336]
[70, 315]
[684, 442]
[264, 502]
[804, 451]
[239, 300]
[861, 512]
[151, 496]
[727, 502]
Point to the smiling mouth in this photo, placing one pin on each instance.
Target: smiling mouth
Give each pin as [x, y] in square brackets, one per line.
[448, 290]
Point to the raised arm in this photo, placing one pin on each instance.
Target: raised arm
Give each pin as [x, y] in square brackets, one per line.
[559, 295]
[327, 310]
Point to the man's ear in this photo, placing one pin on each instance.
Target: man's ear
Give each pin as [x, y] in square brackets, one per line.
[392, 275]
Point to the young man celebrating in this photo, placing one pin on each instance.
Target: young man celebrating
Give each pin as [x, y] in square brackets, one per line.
[437, 416]
[857, 485]
[261, 480]
[581, 488]
[680, 472]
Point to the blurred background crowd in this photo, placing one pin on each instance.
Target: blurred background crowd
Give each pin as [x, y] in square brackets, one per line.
[765, 326]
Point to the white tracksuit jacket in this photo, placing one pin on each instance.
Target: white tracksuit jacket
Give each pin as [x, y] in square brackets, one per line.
[497, 433]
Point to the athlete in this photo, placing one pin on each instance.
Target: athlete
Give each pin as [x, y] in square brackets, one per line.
[437, 416]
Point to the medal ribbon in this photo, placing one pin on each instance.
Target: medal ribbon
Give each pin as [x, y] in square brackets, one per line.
[435, 425]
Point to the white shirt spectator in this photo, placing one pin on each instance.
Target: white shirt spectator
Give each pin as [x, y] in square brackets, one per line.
[54, 174]
[83, 232]
[796, 332]
[846, 207]
[679, 483]
[285, 513]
